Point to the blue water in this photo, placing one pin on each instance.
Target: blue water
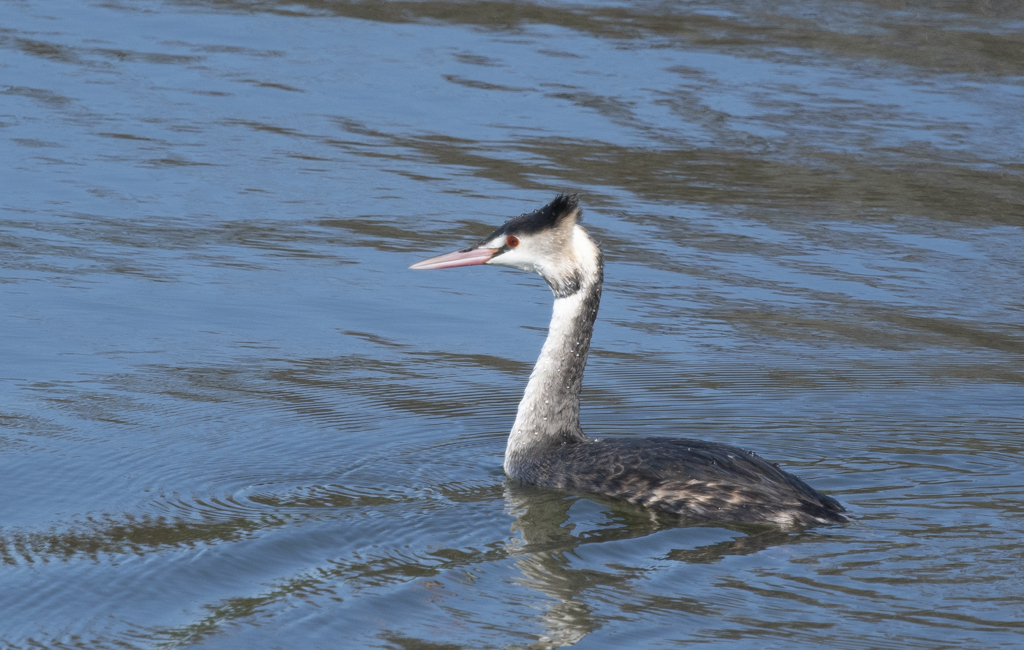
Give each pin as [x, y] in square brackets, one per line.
[230, 417]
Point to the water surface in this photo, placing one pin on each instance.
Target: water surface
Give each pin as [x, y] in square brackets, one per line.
[231, 418]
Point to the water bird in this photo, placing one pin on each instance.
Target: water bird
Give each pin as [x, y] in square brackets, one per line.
[696, 479]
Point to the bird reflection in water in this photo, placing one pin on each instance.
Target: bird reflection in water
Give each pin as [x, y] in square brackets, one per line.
[545, 547]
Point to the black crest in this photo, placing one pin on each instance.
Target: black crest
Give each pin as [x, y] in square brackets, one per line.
[564, 206]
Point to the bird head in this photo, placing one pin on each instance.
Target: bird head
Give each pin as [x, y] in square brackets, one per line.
[548, 241]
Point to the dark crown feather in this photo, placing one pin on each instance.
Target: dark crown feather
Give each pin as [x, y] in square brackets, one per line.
[564, 205]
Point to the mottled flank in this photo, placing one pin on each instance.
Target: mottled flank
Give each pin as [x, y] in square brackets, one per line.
[693, 478]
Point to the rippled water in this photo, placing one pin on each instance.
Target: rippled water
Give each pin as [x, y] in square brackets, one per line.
[231, 418]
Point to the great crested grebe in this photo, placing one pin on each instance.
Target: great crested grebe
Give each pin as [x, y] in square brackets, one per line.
[693, 478]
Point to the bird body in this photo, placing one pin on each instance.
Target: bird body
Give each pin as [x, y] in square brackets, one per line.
[693, 478]
[547, 446]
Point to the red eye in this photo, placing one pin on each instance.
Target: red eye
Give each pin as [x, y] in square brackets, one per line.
[512, 241]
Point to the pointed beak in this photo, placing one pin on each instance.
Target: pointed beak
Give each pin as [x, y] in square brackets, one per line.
[470, 257]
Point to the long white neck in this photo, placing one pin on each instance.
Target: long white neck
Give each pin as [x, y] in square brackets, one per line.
[549, 413]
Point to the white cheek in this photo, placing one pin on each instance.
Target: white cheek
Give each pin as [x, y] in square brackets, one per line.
[519, 258]
[586, 250]
[522, 260]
